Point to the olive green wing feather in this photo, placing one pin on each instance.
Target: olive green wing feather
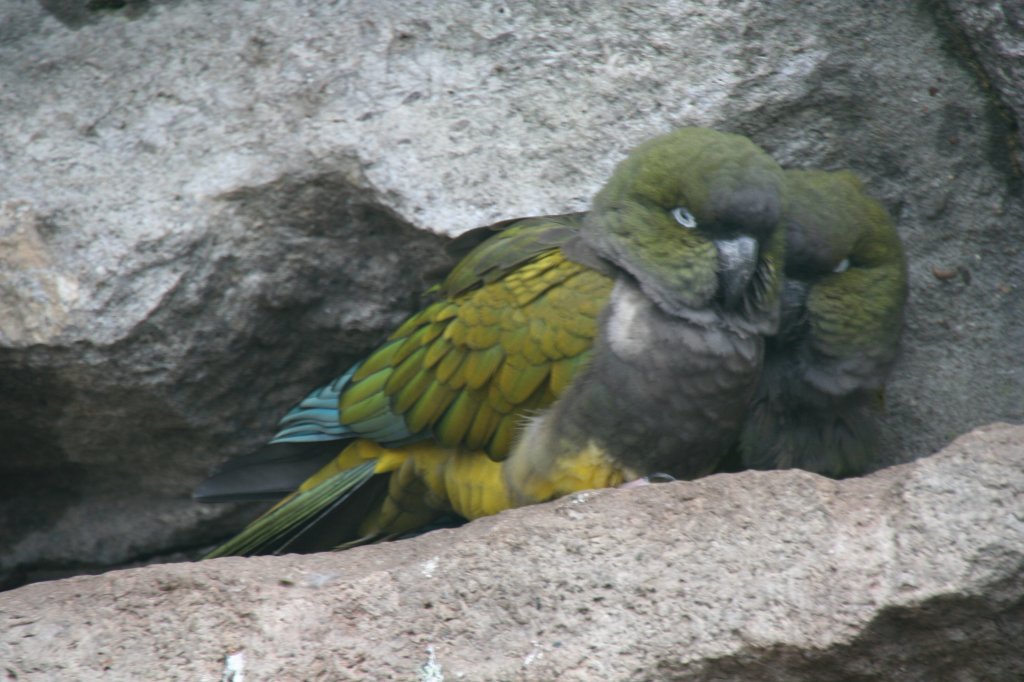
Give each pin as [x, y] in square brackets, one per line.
[486, 253]
[516, 324]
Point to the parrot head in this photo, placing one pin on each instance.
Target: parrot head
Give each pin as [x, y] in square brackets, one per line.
[692, 216]
[842, 304]
[846, 274]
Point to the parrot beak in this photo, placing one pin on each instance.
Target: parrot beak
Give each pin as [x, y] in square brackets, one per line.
[737, 260]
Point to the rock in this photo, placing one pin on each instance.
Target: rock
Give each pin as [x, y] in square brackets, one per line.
[992, 34]
[916, 572]
[212, 209]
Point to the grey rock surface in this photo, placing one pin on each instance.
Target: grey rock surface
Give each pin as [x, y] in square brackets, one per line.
[208, 209]
[914, 573]
[993, 34]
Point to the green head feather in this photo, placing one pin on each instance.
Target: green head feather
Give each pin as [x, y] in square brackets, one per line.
[844, 243]
[692, 216]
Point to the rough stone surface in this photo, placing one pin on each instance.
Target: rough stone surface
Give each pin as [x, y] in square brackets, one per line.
[993, 32]
[914, 573]
[209, 208]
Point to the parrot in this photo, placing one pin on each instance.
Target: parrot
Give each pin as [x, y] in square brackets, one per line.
[842, 306]
[561, 353]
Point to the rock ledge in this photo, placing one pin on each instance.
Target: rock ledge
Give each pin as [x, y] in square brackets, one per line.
[915, 573]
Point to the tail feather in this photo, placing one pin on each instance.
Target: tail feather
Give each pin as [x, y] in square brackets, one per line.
[270, 473]
[284, 526]
[310, 436]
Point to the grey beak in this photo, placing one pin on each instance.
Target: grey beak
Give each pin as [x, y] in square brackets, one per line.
[737, 260]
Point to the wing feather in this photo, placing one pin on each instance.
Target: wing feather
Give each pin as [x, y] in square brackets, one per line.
[517, 324]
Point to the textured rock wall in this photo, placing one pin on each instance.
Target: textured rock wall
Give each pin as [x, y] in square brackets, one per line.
[914, 573]
[208, 208]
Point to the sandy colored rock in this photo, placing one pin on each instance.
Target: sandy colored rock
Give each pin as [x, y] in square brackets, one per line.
[913, 573]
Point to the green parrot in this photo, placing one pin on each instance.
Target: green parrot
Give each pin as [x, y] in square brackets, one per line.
[843, 296]
[561, 354]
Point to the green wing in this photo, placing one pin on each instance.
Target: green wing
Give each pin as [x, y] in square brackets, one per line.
[516, 323]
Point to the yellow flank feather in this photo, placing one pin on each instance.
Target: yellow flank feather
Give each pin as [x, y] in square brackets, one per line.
[357, 452]
[428, 480]
[532, 480]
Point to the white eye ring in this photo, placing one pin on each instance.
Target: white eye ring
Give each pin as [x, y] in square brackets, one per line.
[842, 266]
[684, 217]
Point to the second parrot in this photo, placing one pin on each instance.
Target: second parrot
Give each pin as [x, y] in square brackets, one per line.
[842, 316]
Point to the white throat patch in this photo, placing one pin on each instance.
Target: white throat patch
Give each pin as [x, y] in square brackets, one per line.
[628, 326]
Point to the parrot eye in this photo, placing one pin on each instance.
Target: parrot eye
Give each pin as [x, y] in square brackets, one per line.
[684, 217]
[842, 266]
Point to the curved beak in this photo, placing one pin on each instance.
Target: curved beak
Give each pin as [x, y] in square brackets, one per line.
[737, 260]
